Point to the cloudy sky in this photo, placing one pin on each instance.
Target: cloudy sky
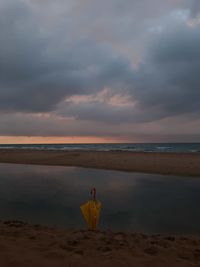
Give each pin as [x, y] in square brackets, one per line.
[99, 71]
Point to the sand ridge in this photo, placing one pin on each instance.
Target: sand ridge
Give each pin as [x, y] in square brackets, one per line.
[187, 164]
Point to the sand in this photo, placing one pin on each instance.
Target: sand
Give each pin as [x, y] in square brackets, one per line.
[187, 164]
[23, 245]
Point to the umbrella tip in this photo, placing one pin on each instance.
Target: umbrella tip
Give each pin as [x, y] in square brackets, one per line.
[93, 193]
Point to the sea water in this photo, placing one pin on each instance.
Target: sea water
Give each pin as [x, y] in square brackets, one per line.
[143, 147]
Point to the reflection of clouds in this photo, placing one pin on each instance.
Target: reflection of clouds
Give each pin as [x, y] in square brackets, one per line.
[66, 186]
[34, 182]
[16, 169]
[121, 186]
[131, 201]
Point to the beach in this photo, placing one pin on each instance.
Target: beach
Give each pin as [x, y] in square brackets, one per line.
[23, 244]
[187, 164]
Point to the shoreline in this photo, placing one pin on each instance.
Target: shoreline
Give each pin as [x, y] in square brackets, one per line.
[167, 163]
[23, 244]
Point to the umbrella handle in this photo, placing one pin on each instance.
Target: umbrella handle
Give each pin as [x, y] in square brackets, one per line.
[93, 193]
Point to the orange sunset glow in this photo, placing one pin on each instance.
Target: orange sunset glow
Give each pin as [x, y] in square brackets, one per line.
[55, 140]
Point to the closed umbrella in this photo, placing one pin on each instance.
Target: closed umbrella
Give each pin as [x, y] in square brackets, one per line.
[91, 211]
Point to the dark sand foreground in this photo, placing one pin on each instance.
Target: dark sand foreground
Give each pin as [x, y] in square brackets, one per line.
[23, 245]
[150, 162]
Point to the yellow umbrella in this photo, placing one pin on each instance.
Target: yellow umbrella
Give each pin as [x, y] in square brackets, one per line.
[91, 211]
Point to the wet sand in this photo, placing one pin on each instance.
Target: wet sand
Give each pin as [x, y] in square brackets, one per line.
[187, 164]
[23, 245]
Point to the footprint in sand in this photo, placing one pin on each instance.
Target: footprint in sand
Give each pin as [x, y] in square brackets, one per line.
[184, 256]
[161, 243]
[65, 247]
[72, 243]
[55, 255]
[104, 249]
[151, 251]
[170, 238]
[197, 254]
[79, 252]
[32, 237]
[86, 237]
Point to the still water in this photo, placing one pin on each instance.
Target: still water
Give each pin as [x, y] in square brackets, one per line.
[131, 201]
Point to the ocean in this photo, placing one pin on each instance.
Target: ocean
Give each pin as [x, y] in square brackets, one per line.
[142, 147]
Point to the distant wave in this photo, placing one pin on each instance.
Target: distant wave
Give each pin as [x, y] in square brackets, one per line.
[161, 147]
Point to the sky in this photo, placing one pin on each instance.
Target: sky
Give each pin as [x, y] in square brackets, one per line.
[81, 71]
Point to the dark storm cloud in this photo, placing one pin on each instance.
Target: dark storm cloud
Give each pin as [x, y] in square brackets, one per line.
[166, 83]
[35, 76]
[45, 59]
[169, 77]
[194, 7]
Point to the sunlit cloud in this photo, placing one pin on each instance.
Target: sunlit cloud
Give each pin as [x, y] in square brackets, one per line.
[194, 22]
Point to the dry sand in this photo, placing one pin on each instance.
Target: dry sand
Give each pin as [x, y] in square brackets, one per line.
[150, 162]
[23, 245]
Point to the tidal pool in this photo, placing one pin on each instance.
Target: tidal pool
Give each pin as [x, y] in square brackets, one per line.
[131, 202]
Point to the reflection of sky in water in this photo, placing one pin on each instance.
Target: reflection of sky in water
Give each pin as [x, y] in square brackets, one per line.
[131, 201]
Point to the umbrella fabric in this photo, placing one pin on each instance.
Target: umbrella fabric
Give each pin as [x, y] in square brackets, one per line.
[91, 212]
